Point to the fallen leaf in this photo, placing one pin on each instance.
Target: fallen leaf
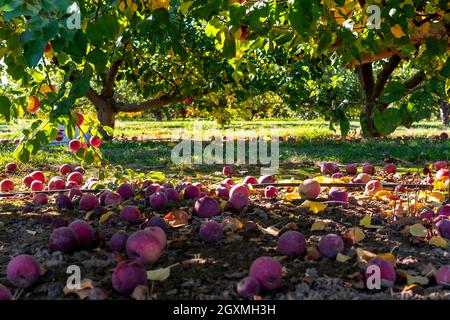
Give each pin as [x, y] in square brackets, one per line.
[292, 196]
[354, 235]
[83, 291]
[342, 257]
[33, 233]
[318, 225]
[88, 215]
[413, 279]
[388, 256]
[231, 223]
[272, 230]
[141, 292]
[105, 217]
[383, 195]
[365, 255]
[314, 207]
[366, 221]
[438, 241]
[176, 219]
[434, 196]
[418, 230]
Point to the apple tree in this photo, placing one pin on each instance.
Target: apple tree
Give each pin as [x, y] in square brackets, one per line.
[374, 38]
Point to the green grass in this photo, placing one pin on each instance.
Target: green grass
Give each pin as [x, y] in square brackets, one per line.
[314, 142]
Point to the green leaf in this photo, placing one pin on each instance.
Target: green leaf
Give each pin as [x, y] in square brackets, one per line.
[80, 87]
[324, 42]
[303, 14]
[436, 47]
[213, 27]
[5, 108]
[393, 92]
[388, 120]
[99, 59]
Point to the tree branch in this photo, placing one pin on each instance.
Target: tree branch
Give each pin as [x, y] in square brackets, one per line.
[415, 80]
[384, 75]
[147, 105]
[108, 88]
[96, 99]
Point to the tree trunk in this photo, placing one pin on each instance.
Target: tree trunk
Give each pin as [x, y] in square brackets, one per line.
[444, 108]
[106, 115]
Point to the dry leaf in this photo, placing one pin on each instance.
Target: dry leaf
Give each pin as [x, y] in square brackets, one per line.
[231, 223]
[33, 233]
[318, 225]
[418, 230]
[365, 255]
[438, 241]
[105, 217]
[354, 235]
[86, 286]
[176, 219]
[342, 257]
[272, 230]
[314, 207]
[141, 292]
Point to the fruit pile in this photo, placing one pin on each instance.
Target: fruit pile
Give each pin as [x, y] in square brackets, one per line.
[153, 210]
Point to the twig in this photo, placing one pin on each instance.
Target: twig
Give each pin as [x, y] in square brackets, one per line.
[346, 185]
[13, 194]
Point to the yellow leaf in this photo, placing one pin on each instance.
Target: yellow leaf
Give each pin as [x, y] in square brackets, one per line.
[438, 241]
[314, 207]
[88, 215]
[122, 6]
[413, 279]
[134, 7]
[33, 233]
[397, 31]
[292, 196]
[436, 196]
[342, 257]
[322, 179]
[388, 256]
[160, 274]
[355, 234]
[318, 226]
[366, 221]
[418, 230]
[381, 195]
[129, 3]
[231, 223]
[105, 217]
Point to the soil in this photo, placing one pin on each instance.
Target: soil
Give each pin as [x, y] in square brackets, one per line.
[211, 271]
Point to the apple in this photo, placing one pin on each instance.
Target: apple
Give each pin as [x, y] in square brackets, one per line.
[309, 188]
[329, 168]
[33, 104]
[438, 165]
[372, 187]
[65, 169]
[11, 167]
[38, 175]
[368, 169]
[330, 245]
[227, 171]
[351, 168]
[95, 141]
[387, 271]
[23, 271]
[268, 271]
[361, 178]
[6, 185]
[390, 168]
[74, 145]
[207, 207]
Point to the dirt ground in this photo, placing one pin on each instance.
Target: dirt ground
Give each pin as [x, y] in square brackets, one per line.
[211, 271]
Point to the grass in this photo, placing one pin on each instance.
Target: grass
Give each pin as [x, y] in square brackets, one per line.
[314, 142]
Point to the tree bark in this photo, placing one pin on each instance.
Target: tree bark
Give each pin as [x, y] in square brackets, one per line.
[444, 108]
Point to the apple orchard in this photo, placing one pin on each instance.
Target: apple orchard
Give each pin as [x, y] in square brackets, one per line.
[339, 226]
